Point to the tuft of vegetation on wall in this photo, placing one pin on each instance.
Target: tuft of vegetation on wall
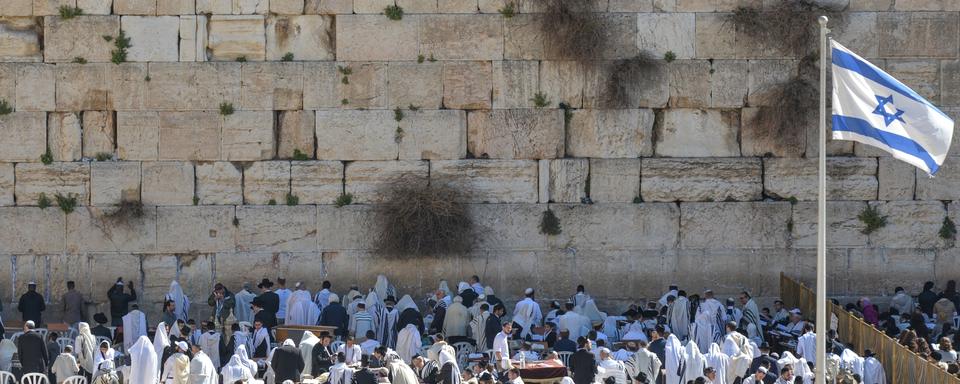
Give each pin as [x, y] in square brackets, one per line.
[420, 219]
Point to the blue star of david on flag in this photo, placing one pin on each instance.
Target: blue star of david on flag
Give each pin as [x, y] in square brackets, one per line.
[882, 110]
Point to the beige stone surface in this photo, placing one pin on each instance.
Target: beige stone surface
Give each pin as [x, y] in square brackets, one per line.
[192, 86]
[264, 181]
[734, 225]
[296, 130]
[215, 7]
[175, 7]
[193, 38]
[897, 179]
[457, 6]
[689, 84]
[844, 227]
[232, 37]
[138, 135]
[320, 81]
[83, 87]
[19, 39]
[667, 32]
[278, 229]
[610, 133]
[715, 36]
[643, 85]
[614, 180]
[516, 133]
[918, 34]
[66, 179]
[128, 83]
[251, 7]
[167, 183]
[508, 226]
[93, 229]
[347, 227]
[365, 87]
[99, 133]
[25, 136]
[847, 178]
[376, 38]
[286, 7]
[356, 135]
[942, 187]
[420, 6]
[36, 87]
[50, 7]
[112, 182]
[568, 180]
[65, 40]
[323, 7]
[219, 183]
[16, 7]
[247, 136]
[196, 229]
[152, 38]
[189, 136]
[135, 7]
[414, 84]
[491, 181]
[654, 225]
[698, 133]
[910, 224]
[6, 184]
[515, 84]
[307, 37]
[462, 37]
[433, 135]
[271, 86]
[63, 136]
[727, 88]
[316, 182]
[467, 85]
[368, 181]
[562, 81]
[758, 139]
[32, 230]
[694, 179]
[371, 6]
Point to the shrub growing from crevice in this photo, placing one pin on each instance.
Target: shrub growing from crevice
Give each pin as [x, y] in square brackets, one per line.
[344, 199]
[550, 224]
[872, 220]
[624, 77]
[43, 201]
[127, 210]
[5, 108]
[420, 219]
[572, 29]
[786, 118]
[948, 231]
[67, 203]
[120, 44]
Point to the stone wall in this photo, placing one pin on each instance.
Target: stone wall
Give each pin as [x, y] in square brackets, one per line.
[685, 188]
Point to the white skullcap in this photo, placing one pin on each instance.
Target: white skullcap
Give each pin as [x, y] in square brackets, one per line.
[30, 324]
[762, 369]
[528, 291]
[334, 298]
[182, 345]
[32, 283]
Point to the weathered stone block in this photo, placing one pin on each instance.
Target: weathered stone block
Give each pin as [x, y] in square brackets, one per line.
[320, 81]
[175, 7]
[167, 183]
[897, 180]
[766, 78]
[910, 224]
[286, 7]
[247, 136]
[563, 81]
[508, 226]
[843, 226]
[734, 225]
[946, 186]
[25, 136]
[871, 5]
[356, 135]
[376, 38]
[63, 137]
[905, 34]
[597, 226]
[614, 180]
[154, 38]
[847, 178]
[689, 84]
[296, 134]
[128, 84]
[214, 7]
[716, 36]
[698, 133]
[727, 88]
[323, 7]
[278, 229]
[515, 84]
[6, 184]
[369, 181]
[365, 87]
[462, 37]
[251, 7]
[492, 181]
[50, 7]
[138, 135]
[189, 136]
[112, 182]
[347, 227]
[568, 180]
[759, 138]
[371, 6]
[271, 86]
[467, 85]
[192, 86]
[927, 5]
[232, 37]
[196, 229]
[701, 179]
[660, 33]
[417, 85]
[8, 83]
[67, 179]
[858, 31]
[67, 39]
[265, 181]
[306, 37]
[610, 133]
[625, 84]
[950, 82]
[32, 230]
[922, 76]
[36, 87]
[433, 135]
[524, 39]
[98, 133]
[20, 39]
[193, 38]
[83, 87]
[135, 7]
[16, 7]
[516, 133]
[95, 229]
[219, 183]
[457, 6]
[316, 182]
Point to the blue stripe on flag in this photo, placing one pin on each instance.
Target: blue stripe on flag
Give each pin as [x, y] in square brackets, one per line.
[895, 141]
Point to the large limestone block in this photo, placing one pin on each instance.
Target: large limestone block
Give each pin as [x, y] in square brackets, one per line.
[128, 83]
[897, 179]
[176, 7]
[81, 36]
[490, 181]
[724, 179]
[6, 184]
[758, 139]
[516, 133]
[734, 225]
[247, 136]
[112, 182]
[36, 87]
[905, 34]
[193, 86]
[637, 85]
[99, 133]
[847, 178]
[266, 181]
[189, 135]
[417, 85]
[910, 224]
[943, 187]
[19, 39]
[602, 226]
[462, 37]
[278, 229]
[698, 133]
[356, 135]
[562, 81]
[365, 87]
[568, 180]
[614, 180]
[467, 85]
[371, 6]
[508, 226]
[327, 7]
[67, 179]
[307, 37]
[152, 38]
[167, 183]
[193, 38]
[347, 227]
[32, 230]
[83, 87]
[376, 38]
[219, 183]
[690, 84]
[515, 84]
[610, 133]
[135, 7]
[727, 88]
[427, 6]
[765, 80]
[715, 36]
[102, 229]
[8, 84]
[286, 7]
[63, 136]
[660, 33]
[922, 76]
[16, 7]
[214, 7]
[370, 181]
[316, 182]
[271, 86]
[251, 7]
[433, 135]
[524, 39]
[296, 130]
[25, 136]
[196, 229]
[843, 226]
[138, 135]
[50, 7]
[233, 37]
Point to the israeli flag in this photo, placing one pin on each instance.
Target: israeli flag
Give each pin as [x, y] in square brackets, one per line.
[873, 108]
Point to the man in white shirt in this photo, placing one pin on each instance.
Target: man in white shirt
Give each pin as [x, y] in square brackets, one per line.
[284, 294]
[371, 343]
[807, 344]
[501, 347]
[351, 351]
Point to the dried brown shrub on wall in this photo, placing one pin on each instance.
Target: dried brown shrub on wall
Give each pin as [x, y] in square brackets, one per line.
[421, 219]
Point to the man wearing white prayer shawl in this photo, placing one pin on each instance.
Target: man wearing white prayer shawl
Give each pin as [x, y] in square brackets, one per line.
[671, 291]
[160, 339]
[478, 325]
[872, 369]
[85, 347]
[393, 314]
[383, 287]
[607, 367]
[235, 371]
[720, 362]
[901, 301]
[676, 362]
[400, 372]
[307, 342]
[850, 360]
[176, 370]
[368, 345]
[645, 362]
[678, 315]
[65, 365]
[408, 343]
[571, 321]
[242, 311]
[202, 370]
[527, 313]
[695, 360]
[457, 319]
[7, 350]
[144, 363]
[301, 310]
[351, 351]
[340, 373]
[751, 313]
[447, 293]
[705, 323]
[734, 342]
[134, 326]
[807, 344]
[590, 310]
[581, 297]
[377, 311]
[180, 300]
[210, 343]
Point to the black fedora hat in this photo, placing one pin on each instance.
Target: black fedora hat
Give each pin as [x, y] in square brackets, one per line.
[265, 283]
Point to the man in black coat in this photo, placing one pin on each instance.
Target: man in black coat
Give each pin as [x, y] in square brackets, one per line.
[469, 296]
[120, 301]
[764, 356]
[270, 299]
[583, 363]
[409, 316]
[658, 344]
[322, 356]
[261, 314]
[32, 350]
[32, 304]
[287, 363]
[334, 315]
[927, 298]
[493, 326]
[564, 344]
[365, 375]
[100, 329]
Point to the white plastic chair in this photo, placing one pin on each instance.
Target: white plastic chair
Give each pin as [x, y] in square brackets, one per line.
[463, 350]
[565, 357]
[7, 378]
[63, 342]
[15, 336]
[42, 332]
[335, 346]
[34, 378]
[75, 380]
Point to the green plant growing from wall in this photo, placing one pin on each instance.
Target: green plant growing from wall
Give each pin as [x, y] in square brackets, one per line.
[67, 12]
[120, 45]
[103, 156]
[241, 59]
[272, 202]
[299, 155]
[398, 135]
[637, 200]
[793, 200]
[413, 108]
[948, 231]
[550, 223]
[107, 38]
[287, 56]
[540, 100]
[5, 108]
[79, 60]
[508, 10]
[431, 58]
[196, 200]
[418, 218]
[420, 59]
[344, 102]
[127, 210]
[872, 220]
[236, 221]
[669, 56]
[43, 201]
[47, 157]
[226, 109]
[67, 203]
[344, 199]
[393, 12]
[146, 78]
[397, 114]
[292, 199]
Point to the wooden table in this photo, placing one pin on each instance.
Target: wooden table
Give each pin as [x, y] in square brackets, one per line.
[295, 332]
[546, 371]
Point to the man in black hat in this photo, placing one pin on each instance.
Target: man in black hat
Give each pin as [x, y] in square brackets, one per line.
[764, 357]
[269, 300]
[32, 304]
[261, 314]
[100, 330]
[365, 375]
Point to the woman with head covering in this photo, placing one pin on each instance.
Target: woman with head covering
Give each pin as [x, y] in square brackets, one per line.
[176, 370]
[106, 374]
[246, 360]
[180, 300]
[449, 371]
[400, 372]
[870, 314]
[103, 354]
[85, 348]
[144, 364]
[160, 339]
[307, 342]
[408, 342]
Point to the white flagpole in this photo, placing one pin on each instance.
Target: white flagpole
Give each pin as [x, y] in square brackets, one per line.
[822, 327]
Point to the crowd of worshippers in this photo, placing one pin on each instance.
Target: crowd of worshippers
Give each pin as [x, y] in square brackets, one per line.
[450, 337]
